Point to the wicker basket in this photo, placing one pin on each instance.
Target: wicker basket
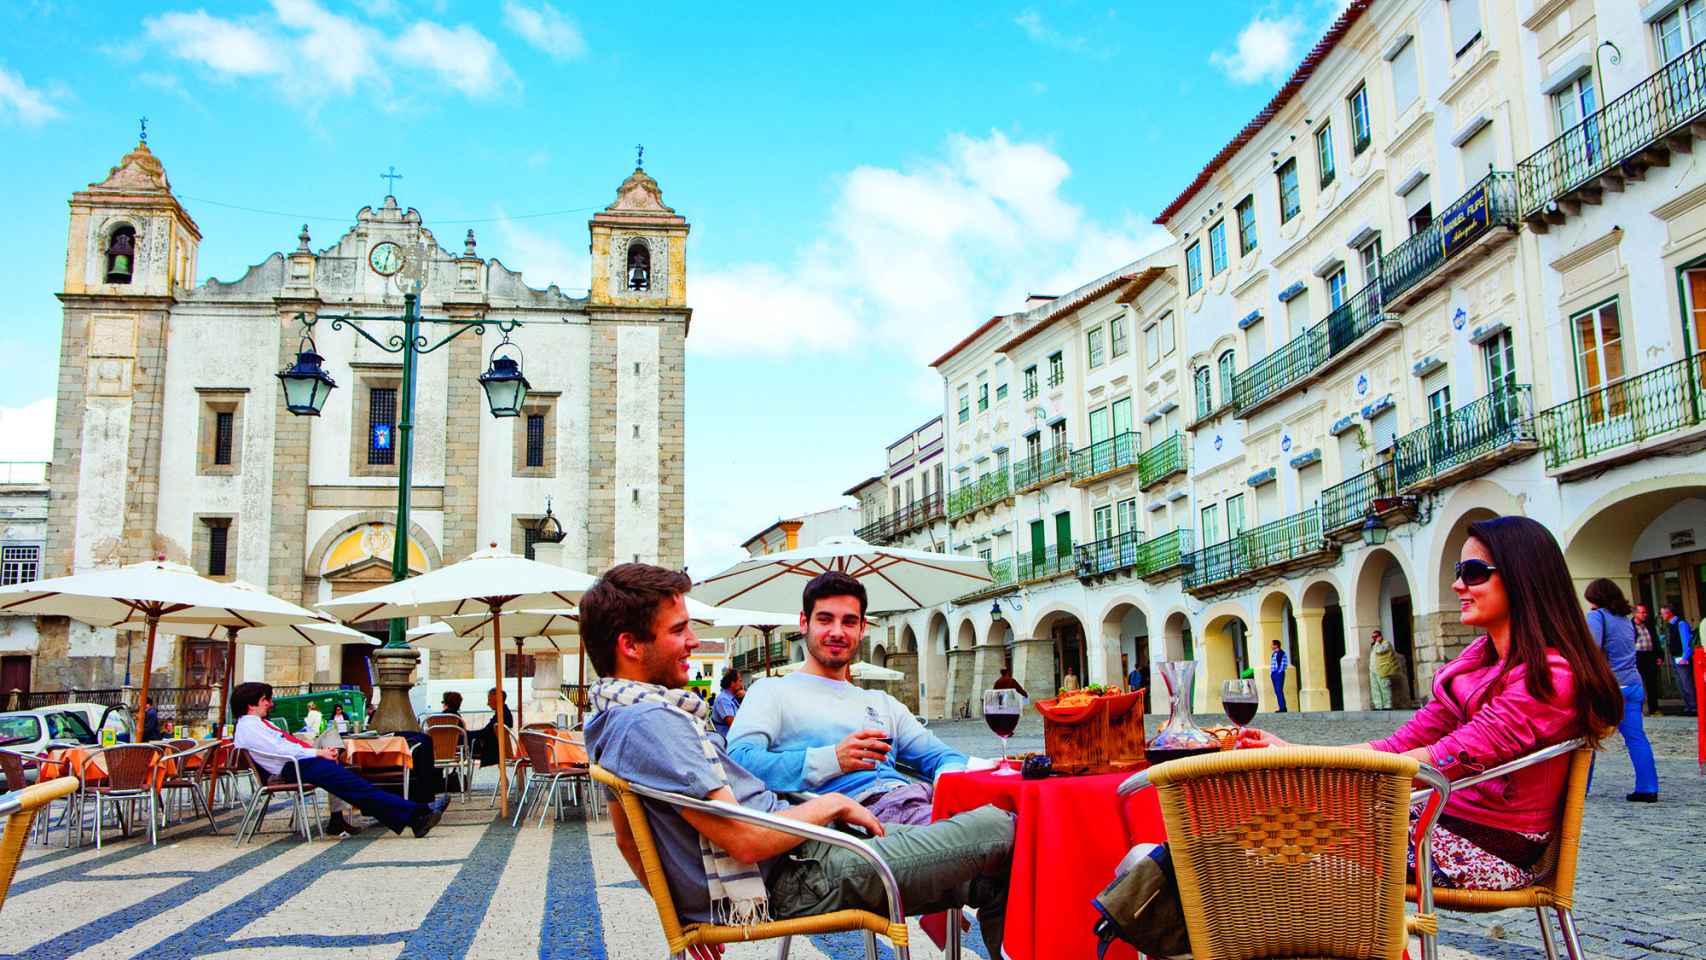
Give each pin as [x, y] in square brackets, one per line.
[1103, 736]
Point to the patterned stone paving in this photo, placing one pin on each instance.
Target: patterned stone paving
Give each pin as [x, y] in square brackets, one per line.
[479, 888]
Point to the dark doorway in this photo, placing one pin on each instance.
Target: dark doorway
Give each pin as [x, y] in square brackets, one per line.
[15, 673]
[1069, 653]
[1333, 650]
[355, 668]
[204, 664]
[1403, 640]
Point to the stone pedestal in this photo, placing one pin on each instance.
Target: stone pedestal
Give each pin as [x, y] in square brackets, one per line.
[1353, 671]
[960, 666]
[1033, 667]
[396, 673]
[907, 693]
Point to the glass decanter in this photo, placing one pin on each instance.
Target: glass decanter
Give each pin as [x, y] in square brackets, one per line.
[1180, 736]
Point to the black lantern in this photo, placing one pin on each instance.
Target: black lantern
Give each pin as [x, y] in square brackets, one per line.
[549, 530]
[506, 388]
[306, 383]
[995, 611]
[1374, 530]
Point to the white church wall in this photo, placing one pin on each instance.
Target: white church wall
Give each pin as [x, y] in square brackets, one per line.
[636, 458]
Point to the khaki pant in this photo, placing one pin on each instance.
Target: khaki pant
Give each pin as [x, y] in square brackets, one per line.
[1380, 691]
[962, 861]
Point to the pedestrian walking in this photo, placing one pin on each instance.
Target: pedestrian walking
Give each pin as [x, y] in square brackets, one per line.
[1383, 670]
[1278, 663]
[1681, 652]
[1608, 621]
[1647, 654]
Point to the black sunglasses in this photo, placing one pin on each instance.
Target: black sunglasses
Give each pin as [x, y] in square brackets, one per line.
[1473, 573]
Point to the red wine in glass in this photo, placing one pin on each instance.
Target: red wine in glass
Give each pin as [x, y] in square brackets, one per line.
[1240, 712]
[1002, 724]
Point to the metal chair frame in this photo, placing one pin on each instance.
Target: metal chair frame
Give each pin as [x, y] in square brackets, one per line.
[304, 796]
[109, 791]
[578, 776]
[190, 780]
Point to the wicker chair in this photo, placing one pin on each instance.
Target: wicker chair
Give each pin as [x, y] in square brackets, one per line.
[189, 774]
[12, 765]
[131, 773]
[302, 795]
[450, 751]
[20, 809]
[1557, 891]
[1295, 852]
[545, 770]
[680, 937]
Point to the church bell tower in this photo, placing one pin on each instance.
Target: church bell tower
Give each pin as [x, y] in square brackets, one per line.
[639, 249]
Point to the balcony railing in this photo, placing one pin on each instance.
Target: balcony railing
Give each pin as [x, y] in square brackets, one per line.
[1001, 577]
[1500, 419]
[1030, 391]
[1666, 400]
[1653, 108]
[1110, 554]
[1161, 461]
[918, 513]
[1345, 504]
[1169, 551]
[1490, 203]
[1281, 541]
[1048, 564]
[1310, 349]
[988, 489]
[1051, 464]
[1217, 563]
[1105, 456]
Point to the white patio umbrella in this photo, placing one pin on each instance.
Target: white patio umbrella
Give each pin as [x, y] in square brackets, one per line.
[318, 633]
[860, 670]
[894, 578]
[150, 594]
[490, 581]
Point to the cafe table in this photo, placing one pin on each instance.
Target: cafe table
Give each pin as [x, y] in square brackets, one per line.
[1070, 833]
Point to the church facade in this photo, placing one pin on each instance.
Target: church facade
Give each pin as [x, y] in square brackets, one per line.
[172, 438]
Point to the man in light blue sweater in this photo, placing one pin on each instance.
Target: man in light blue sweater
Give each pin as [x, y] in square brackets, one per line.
[813, 730]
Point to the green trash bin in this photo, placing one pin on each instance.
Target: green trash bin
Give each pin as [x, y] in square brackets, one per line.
[288, 713]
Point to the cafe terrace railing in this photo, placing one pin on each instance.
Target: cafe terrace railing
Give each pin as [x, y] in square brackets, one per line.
[1052, 563]
[1490, 203]
[1106, 456]
[1310, 349]
[1346, 504]
[1661, 104]
[1161, 461]
[1502, 418]
[1109, 554]
[1169, 551]
[988, 489]
[1669, 399]
[1001, 577]
[1055, 463]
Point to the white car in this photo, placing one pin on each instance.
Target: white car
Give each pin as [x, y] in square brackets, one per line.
[100, 717]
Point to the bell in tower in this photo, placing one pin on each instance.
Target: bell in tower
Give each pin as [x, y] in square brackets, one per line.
[121, 253]
[639, 248]
[639, 265]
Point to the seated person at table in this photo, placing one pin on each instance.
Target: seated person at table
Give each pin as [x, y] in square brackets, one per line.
[653, 732]
[485, 739]
[813, 730]
[267, 743]
[452, 704]
[1534, 678]
[727, 702]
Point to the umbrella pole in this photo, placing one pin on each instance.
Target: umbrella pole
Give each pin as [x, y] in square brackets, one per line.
[147, 661]
[503, 738]
[519, 718]
[230, 677]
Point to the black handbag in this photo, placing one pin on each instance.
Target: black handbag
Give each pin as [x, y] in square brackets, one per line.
[1142, 905]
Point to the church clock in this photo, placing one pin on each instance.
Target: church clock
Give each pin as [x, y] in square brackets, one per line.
[385, 258]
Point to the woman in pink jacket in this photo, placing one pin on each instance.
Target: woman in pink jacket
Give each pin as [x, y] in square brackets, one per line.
[1534, 678]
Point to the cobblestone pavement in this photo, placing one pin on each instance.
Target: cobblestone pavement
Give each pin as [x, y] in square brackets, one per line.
[479, 888]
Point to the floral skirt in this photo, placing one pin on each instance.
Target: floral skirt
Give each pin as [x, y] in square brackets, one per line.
[1466, 865]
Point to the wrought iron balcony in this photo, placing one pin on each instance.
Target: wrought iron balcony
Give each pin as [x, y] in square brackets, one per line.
[1310, 350]
[1001, 574]
[918, 513]
[1412, 269]
[1670, 400]
[1055, 463]
[1470, 441]
[1109, 554]
[1161, 461]
[1286, 541]
[1613, 143]
[1047, 565]
[1105, 457]
[1217, 566]
[988, 489]
[1159, 558]
[1345, 505]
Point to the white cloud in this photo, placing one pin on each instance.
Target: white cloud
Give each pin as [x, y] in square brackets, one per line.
[911, 260]
[1266, 50]
[543, 257]
[545, 28]
[20, 101]
[223, 46]
[26, 433]
[338, 50]
[1032, 23]
[461, 56]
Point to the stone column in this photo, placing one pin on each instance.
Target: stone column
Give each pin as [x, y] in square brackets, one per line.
[396, 674]
[1311, 649]
[1268, 631]
[1033, 666]
[961, 663]
[988, 659]
[906, 663]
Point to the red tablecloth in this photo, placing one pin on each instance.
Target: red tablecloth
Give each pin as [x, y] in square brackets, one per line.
[1071, 835]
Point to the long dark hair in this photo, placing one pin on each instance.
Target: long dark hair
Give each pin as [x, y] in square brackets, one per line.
[1608, 596]
[1544, 613]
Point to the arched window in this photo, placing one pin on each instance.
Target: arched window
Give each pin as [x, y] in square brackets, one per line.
[1204, 391]
[639, 266]
[121, 254]
[1227, 362]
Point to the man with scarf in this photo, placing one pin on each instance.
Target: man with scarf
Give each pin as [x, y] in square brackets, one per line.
[652, 731]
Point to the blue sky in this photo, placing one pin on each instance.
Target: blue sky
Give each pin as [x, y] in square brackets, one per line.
[864, 190]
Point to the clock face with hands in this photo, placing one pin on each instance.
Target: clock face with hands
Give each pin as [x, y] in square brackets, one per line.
[385, 258]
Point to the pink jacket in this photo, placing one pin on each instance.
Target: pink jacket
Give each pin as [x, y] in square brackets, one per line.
[1463, 741]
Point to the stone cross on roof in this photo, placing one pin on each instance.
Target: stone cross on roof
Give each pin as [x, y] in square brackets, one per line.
[391, 176]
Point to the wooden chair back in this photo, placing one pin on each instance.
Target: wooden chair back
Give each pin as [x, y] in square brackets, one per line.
[1295, 852]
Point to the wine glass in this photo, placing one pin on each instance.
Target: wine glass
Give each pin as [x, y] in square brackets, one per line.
[1001, 710]
[1238, 699]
